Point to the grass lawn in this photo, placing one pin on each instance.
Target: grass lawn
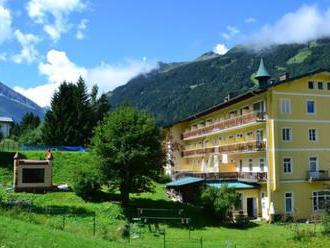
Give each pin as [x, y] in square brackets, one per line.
[33, 227]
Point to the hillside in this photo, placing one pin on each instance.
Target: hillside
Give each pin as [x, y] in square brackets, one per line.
[15, 105]
[186, 88]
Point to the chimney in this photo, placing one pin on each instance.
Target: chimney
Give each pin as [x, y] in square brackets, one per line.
[284, 76]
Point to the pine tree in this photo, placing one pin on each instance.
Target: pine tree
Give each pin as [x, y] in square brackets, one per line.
[73, 115]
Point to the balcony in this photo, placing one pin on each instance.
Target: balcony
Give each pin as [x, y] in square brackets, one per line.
[225, 124]
[252, 177]
[320, 175]
[248, 146]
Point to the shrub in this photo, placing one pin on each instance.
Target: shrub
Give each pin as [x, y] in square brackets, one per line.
[219, 201]
[326, 220]
[87, 183]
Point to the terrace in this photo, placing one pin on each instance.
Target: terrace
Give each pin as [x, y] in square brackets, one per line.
[247, 146]
[250, 177]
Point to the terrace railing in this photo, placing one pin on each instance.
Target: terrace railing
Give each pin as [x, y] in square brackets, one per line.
[253, 177]
[225, 124]
[231, 148]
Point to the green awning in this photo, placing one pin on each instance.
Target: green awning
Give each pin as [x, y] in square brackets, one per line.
[184, 181]
[235, 185]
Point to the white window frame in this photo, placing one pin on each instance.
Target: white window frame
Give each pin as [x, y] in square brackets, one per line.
[306, 105]
[292, 202]
[316, 135]
[261, 163]
[291, 165]
[317, 163]
[318, 209]
[250, 162]
[285, 105]
[290, 132]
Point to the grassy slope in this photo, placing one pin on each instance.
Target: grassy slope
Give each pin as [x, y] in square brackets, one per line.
[64, 164]
[110, 218]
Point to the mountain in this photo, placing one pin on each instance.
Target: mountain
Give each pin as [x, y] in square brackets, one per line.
[183, 89]
[15, 105]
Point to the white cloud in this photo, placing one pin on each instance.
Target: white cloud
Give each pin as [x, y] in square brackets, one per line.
[230, 33]
[5, 23]
[28, 53]
[220, 49]
[59, 68]
[250, 20]
[53, 15]
[80, 35]
[305, 24]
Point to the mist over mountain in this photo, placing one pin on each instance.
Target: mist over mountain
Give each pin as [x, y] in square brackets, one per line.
[177, 90]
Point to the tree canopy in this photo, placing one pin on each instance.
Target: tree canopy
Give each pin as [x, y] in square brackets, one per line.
[73, 115]
[128, 145]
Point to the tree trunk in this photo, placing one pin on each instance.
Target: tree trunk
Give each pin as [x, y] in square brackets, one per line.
[124, 194]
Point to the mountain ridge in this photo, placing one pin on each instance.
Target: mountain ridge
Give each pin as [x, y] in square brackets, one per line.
[191, 87]
[15, 105]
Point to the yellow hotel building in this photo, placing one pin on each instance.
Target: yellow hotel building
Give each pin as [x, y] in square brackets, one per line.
[273, 141]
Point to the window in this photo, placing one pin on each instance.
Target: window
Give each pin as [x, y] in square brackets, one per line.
[286, 134]
[32, 175]
[288, 202]
[320, 200]
[312, 134]
[320, 85]
[262, 164]
[310, 104]
[310, 85]
[250, 165]
[313, 164]
[241, 165]
[328, 86]
[285, 106]
[287, 165]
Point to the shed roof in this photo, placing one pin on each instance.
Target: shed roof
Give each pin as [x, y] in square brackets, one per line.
[235, 185]
[184, 181]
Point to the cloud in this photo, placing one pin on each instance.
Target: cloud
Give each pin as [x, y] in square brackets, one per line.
[81, 28]
[230, 33]
[220, 49]
[53, 15]
[5, 23]
[59, 67]
[305, 24]
[28, 53]
[250, 20]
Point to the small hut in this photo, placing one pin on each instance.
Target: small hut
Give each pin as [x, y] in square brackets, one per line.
[33, 175]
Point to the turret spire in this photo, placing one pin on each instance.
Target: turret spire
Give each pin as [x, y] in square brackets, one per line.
[262, 74]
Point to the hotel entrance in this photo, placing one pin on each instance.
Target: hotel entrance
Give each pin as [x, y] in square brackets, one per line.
[251, 207]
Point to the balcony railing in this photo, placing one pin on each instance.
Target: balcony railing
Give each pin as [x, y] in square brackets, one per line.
[225, 124]
[252, 177]
[320, 175]
[248, 146]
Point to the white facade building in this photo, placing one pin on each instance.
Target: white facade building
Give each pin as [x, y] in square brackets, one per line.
[5, 125]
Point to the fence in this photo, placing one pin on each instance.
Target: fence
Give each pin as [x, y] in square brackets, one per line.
[9, 146]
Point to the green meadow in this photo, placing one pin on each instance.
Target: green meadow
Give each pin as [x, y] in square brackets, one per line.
[62, 219]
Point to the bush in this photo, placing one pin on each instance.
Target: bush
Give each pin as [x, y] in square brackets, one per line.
[219, 201]
[326, 220]
[87, 183]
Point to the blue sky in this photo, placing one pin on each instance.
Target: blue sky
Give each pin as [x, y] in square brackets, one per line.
[43, 42]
